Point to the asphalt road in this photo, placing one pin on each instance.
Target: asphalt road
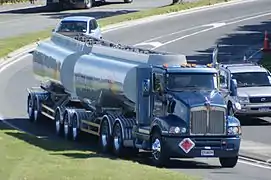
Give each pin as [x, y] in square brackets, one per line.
[238, 27]
[21, 20]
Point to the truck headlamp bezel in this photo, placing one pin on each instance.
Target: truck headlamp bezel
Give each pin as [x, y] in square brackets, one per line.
[234, 130]
[177, 130]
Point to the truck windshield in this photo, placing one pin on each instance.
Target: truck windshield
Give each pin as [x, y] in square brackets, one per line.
[72, 26]
[188, 81]
[251, 79]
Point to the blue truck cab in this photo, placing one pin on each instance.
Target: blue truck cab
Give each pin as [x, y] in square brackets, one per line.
[182, 114]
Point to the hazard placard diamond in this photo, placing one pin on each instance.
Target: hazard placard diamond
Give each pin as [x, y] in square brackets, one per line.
[186, 145]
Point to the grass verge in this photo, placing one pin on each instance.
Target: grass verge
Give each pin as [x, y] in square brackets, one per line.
[5, 2]
[8, 45]
[26, 157]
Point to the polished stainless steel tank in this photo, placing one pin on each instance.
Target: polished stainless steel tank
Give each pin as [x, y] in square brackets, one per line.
[101, 71]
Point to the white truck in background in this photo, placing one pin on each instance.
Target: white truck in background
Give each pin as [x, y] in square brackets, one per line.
[79, 24]
[84, 4]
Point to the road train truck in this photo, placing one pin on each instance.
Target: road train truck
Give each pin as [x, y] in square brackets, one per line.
[132, 99]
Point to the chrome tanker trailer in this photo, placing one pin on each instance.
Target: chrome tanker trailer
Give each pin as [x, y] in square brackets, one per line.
[132, 99]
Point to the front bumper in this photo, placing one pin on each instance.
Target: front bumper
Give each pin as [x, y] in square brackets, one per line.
[259, 109]
[222, 147]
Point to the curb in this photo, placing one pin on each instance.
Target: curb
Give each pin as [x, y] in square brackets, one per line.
[255, 157]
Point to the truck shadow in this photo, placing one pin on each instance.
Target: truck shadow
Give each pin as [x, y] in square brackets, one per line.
[96, 14]
[246, 40]
[249, 121]
[58, 15]
[41, 135]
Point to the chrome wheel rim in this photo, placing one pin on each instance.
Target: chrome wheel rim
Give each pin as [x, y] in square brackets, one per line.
[104, 133]
[74, 133]
[57, 122]
[30, 107]
[156, 149]
[66, 127]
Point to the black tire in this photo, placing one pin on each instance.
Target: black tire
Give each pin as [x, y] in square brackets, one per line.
[117, 141]
[30, 108]
[38, 117]
[176, 1]
[88, 4]
[59, 126]
[105, 139]
[228, 162]
[67, 129]
[75, 132]
[128, 1]
[159, 158]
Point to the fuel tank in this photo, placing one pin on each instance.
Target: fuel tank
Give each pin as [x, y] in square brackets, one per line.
[97, 70]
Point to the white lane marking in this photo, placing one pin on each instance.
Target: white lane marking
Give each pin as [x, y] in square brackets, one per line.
[154, 44]
[255, 164]
[216, 24]
[177, 14]
[185, 12]
[2, 119]
[6, 66]
[212, 28]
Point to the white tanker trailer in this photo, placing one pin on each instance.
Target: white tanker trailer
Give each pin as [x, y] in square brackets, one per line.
[132, 99]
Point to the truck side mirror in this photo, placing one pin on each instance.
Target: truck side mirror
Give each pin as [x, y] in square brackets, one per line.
[146, 88]
[53, 30]
[233, 87]
[171, 106]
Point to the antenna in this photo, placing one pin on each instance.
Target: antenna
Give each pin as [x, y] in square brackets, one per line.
[215, 54]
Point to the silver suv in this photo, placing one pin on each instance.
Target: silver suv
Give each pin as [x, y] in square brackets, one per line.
[253, 89]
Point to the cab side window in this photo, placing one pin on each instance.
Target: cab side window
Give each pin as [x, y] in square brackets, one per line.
[157, 85]
[223, 78]
[92, 25]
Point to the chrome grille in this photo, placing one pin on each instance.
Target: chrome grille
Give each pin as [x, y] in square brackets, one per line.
[205, 121]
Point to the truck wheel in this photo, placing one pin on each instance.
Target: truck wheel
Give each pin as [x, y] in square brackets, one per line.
[118, 148]
[228, 162]
[88, 4]
[105, 138]
[67, 133]
[74, 129]
[30, 108]
[59, 125]
[128, 1]
[37, 114]
[159, 155]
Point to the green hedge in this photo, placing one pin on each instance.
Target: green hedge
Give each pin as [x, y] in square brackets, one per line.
[11, 1]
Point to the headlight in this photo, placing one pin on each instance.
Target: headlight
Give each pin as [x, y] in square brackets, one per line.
[243, 99]
[234, 130]
[177, 130]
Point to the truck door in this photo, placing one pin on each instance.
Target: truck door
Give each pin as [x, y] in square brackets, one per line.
[159, 106]
[144, 98]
